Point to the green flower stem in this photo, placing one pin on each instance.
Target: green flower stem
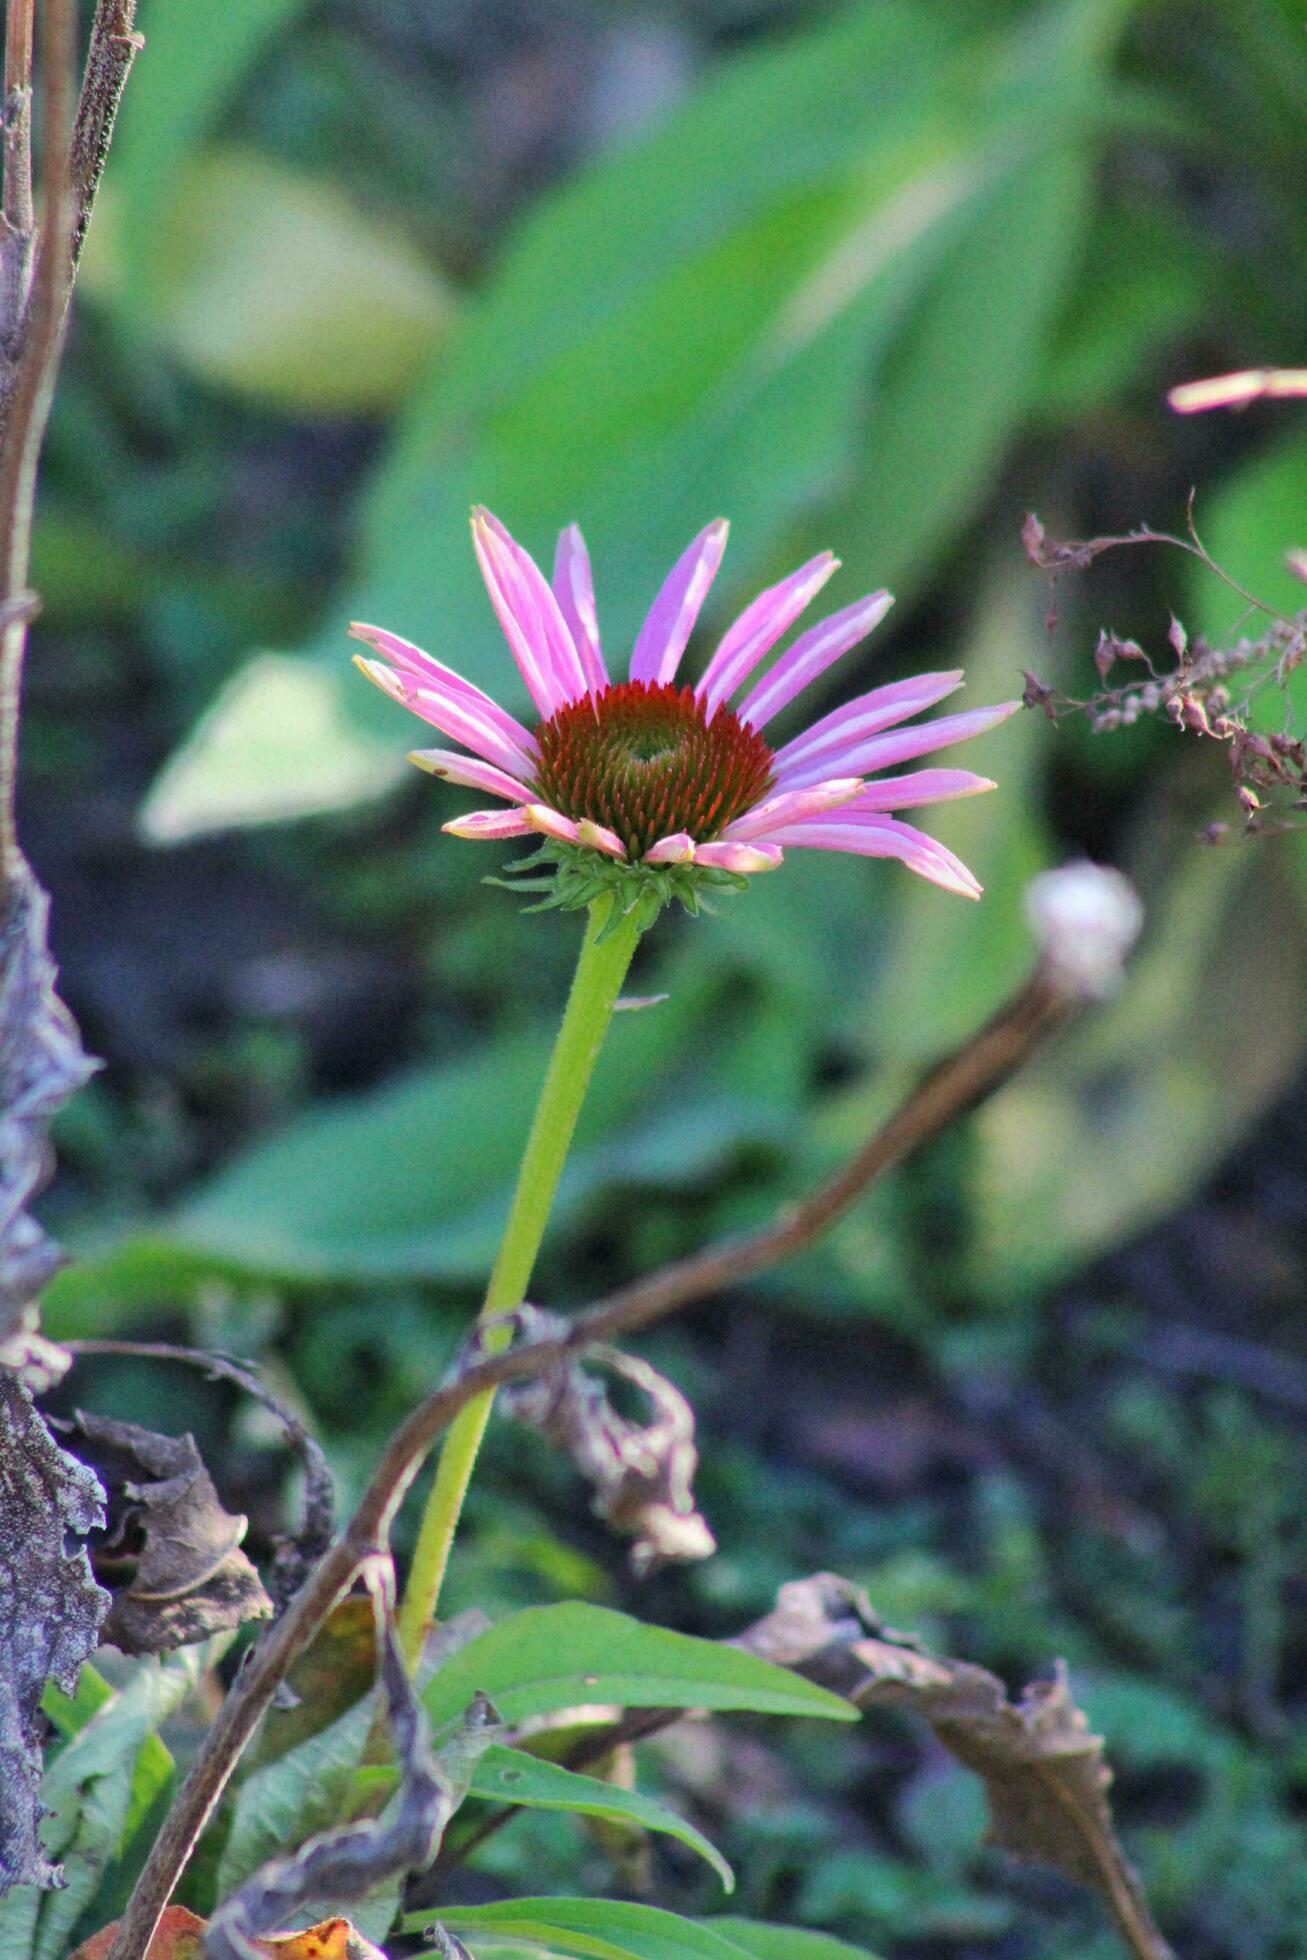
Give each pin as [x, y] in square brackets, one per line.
[600, 970]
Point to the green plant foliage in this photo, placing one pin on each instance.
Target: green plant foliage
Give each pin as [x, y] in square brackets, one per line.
[161, 127]
[573, 1655]
[812, 260]
[98, 1790]
[377, 1186]
[786, 1942]
[511, 1776]
[274, 284]
[601, 1929]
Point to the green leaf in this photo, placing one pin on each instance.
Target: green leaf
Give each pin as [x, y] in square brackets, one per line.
[511, 1776]
[273, 283]
[411, 1181]
[280, 1805]
[786, 1942]
[571, 1655]
[174, 104]
[591, 1929]
[97, 1790]
[847, 251]
[1113, 1125]
[1248, 525]
[235, 768]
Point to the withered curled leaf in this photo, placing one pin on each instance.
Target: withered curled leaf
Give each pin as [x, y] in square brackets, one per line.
[642, 1473]
[50, 1613]
[1045, 1777]
[179, 1935]
[41, 1065]
[170, 1555]
[348, 1863]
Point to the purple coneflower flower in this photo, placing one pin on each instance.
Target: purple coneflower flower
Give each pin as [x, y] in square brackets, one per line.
[644, 771]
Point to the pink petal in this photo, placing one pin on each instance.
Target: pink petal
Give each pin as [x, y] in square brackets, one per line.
[678, 848]
[792, 807]
[488, 823]
[886, 838]
[810, 655]
[671, 618]
[574, 591]
[899, 745]
[453, 714]
[758, 628]
[866, 714]
[599, 838]
[540, 613]
[526, 641]
[430, 672]
[907, 792]
[551, 823]
[454, 768]
[739, 857]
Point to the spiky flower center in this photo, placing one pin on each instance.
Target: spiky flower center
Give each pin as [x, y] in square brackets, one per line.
[644, 760]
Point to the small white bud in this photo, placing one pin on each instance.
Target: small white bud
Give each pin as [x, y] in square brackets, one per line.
[1086, 919]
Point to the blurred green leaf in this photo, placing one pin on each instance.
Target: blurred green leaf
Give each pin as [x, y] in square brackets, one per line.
[1248, 525]
[869, 215]
[412, 1180]
[1112, 1125]
[196, 55]
[273, 283]
[236, 768]
[574, 1655]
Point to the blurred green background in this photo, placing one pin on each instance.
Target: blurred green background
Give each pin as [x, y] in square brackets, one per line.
[877, 278]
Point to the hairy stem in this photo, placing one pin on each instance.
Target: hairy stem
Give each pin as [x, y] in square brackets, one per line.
[604, 960]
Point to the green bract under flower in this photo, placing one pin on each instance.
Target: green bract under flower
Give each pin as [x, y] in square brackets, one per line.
[645, 761]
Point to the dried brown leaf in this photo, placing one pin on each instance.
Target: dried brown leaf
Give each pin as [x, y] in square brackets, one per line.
[1045, 1777]
[50, 1613]
[178, 1936]
[170, 1555]
[41, 1064]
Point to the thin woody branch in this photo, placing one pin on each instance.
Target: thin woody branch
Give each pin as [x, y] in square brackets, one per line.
[1086, 930]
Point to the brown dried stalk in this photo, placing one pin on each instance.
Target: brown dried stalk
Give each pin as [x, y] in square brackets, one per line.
[1059, 984]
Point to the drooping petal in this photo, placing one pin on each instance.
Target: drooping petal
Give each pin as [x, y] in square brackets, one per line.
[810, 655]
[452, 714]
[759, 627]
[574, 591]
[739, 857]
[479, 824]
[526, 640]
[551, 823]
[472, 774]
[540, 612]
[793, 806]
[899, 745]
[888, 793]
[600, 838]
[427, 671]
[867, 714]
[676, 849]
[886, 838]
[671, 618]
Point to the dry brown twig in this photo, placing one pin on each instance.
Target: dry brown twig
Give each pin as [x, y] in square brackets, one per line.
[1086, 921]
